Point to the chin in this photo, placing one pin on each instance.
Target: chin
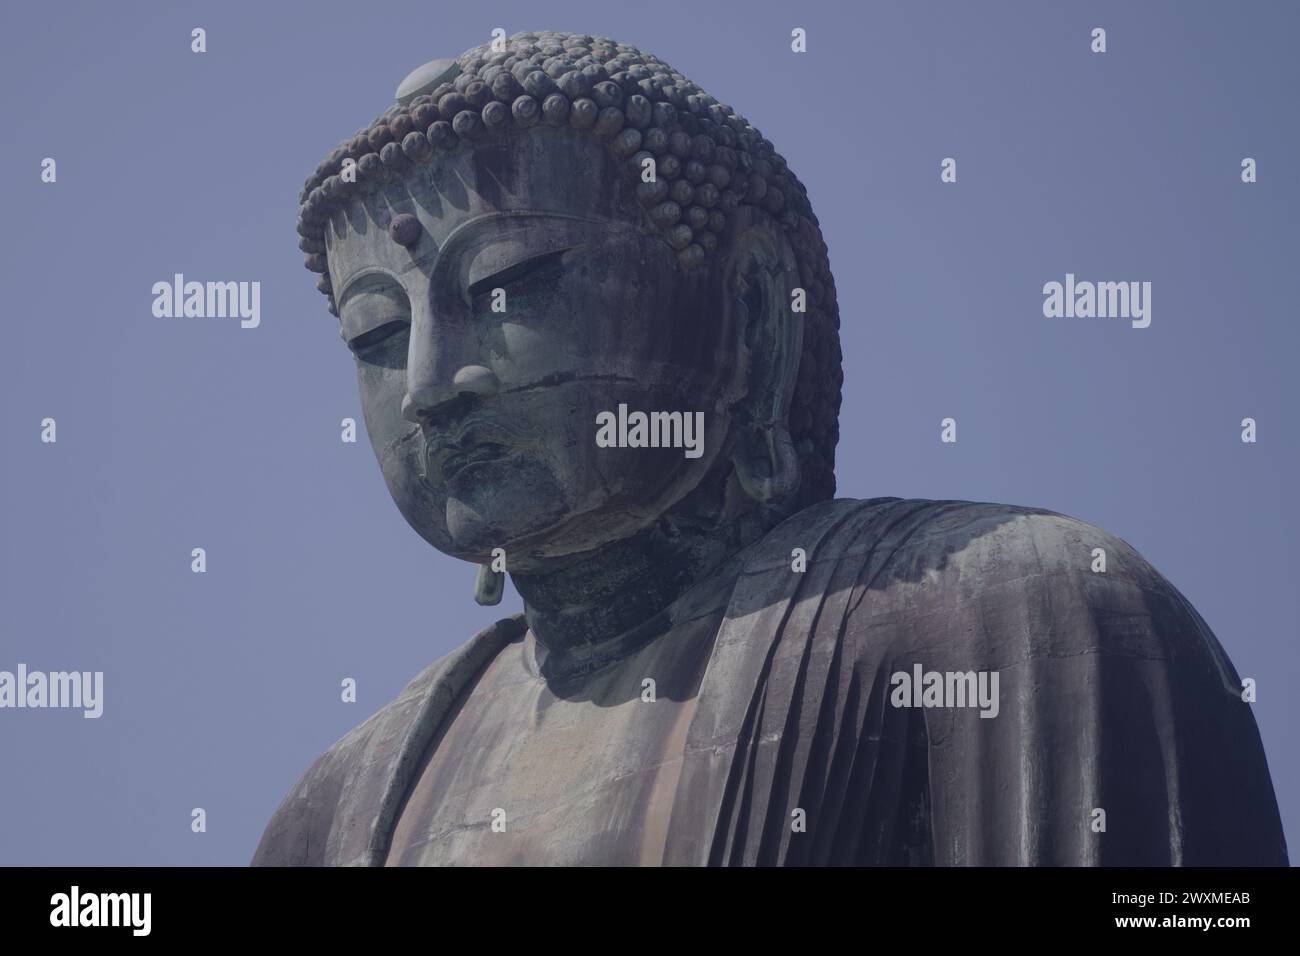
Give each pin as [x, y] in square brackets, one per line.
[472, 535]
[510, 505]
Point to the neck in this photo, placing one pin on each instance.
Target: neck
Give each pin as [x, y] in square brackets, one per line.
[601, 605]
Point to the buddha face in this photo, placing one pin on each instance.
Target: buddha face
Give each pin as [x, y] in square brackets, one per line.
[531, 303]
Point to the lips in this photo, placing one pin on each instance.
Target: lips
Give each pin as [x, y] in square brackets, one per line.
[457, 461]
[449, 452]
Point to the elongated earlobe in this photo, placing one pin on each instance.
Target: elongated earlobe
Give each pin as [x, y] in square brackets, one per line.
[766, 463]
[761, 273]
[489, 586]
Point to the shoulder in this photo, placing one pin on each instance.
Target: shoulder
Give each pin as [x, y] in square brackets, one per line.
[963, 571]
[1102, 677]
[912, 539]
[325, 818]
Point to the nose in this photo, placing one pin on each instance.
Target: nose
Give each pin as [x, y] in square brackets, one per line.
[422, 400]
[443, 360]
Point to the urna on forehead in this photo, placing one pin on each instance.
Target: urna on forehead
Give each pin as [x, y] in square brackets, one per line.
[687, 162]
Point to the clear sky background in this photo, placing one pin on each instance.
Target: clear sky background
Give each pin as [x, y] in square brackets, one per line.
[221, 688]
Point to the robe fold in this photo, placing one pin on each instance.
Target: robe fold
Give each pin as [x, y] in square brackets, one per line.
[1120, 735]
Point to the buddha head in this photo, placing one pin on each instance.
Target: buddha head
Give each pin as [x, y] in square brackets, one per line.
[537, 236]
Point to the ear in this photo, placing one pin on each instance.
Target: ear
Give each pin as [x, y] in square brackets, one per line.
[759, 275]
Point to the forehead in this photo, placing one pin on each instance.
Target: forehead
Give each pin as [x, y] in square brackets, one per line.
[544, 173]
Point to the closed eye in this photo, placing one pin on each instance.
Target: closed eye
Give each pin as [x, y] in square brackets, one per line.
[378, 334]
[502, 278]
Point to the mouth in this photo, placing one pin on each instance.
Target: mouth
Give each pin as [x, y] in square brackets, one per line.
[449, 453]
[457, 461]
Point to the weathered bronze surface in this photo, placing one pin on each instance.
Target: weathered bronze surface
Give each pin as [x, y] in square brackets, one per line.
[706, 668]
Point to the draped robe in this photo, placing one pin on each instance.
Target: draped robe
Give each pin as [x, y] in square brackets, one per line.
[1121, 736]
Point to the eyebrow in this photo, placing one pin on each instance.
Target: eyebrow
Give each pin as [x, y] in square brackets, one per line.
[463, 232]
[367, 277]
